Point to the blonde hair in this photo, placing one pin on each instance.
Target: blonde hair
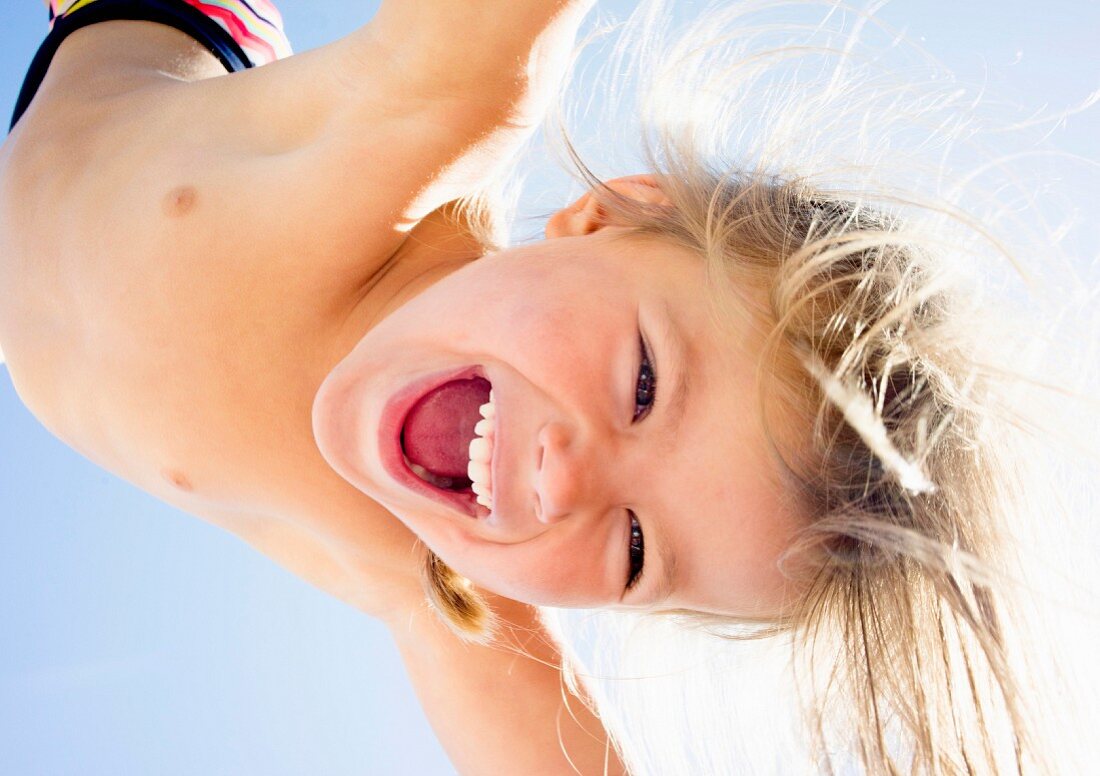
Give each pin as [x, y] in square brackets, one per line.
[904, 634]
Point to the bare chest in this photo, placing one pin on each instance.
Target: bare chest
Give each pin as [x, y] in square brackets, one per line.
[163, 336]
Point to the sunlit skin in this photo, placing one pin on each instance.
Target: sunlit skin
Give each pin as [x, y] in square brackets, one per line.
[247, 422]
[555, 327]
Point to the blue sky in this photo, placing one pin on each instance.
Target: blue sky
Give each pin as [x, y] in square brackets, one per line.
[137, 640]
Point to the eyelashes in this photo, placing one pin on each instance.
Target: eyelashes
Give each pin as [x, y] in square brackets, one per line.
[645, 388]
[645, 393]
[636, 550]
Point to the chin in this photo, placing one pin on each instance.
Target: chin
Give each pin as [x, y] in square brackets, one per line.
[339, 416]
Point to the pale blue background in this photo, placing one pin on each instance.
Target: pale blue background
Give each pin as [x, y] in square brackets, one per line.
[137, 640]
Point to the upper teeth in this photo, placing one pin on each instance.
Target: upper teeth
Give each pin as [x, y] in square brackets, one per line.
[481, 454]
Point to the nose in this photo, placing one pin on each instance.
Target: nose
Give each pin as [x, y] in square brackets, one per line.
[570, 478]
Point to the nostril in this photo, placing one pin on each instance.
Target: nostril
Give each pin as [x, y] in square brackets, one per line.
[539, 513]
[557, 479]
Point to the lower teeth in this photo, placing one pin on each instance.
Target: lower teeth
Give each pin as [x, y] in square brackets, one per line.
[446, 483]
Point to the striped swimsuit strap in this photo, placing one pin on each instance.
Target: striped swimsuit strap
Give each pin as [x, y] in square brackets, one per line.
[256, 25]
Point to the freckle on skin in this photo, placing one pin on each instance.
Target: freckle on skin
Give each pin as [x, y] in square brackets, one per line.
[180, 201]
[179, 479]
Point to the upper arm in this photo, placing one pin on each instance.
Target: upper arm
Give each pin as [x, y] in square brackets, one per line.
[495, 44]
[425, 104]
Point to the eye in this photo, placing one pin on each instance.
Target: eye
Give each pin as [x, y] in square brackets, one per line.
[645, 389]
[636, 551]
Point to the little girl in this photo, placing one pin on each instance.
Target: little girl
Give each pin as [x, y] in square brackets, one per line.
[272, 300]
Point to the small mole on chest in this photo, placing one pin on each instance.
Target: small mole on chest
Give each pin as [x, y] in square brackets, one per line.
[180, 201]
[178, 479]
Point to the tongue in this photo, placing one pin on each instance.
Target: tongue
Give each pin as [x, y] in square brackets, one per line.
[440, 426]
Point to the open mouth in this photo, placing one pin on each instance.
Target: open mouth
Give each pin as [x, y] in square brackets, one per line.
[444, 440]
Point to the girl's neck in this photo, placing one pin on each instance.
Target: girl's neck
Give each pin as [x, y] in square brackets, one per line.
[435, 247]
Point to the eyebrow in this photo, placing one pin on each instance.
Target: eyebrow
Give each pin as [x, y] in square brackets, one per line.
[672, 335]
[678, 346]
[663, 588]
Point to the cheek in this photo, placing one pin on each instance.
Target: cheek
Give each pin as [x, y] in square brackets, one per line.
[530, 583]
[558, 346]
[545, 313]
[553, 296]
[549, 577]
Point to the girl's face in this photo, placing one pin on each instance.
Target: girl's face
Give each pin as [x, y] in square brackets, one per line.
[620, 407]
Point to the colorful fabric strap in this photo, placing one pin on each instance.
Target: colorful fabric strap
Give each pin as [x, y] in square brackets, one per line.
[256, 25]
[240, 33]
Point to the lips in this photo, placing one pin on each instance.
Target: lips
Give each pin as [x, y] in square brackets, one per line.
[392, 455]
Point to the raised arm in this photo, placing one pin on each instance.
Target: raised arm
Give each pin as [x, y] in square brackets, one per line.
[497, 45]
[359, 139]
[421, 106]
[502, 709]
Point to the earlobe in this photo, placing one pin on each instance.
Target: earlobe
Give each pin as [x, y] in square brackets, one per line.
[587, 214]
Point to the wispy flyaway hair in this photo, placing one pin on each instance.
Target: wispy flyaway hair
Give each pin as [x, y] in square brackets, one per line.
[815, 160]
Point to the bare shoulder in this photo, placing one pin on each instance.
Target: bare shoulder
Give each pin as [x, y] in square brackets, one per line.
[93, 120]
[99, 67]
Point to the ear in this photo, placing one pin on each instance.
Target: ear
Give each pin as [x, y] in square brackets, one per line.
[587, 215]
